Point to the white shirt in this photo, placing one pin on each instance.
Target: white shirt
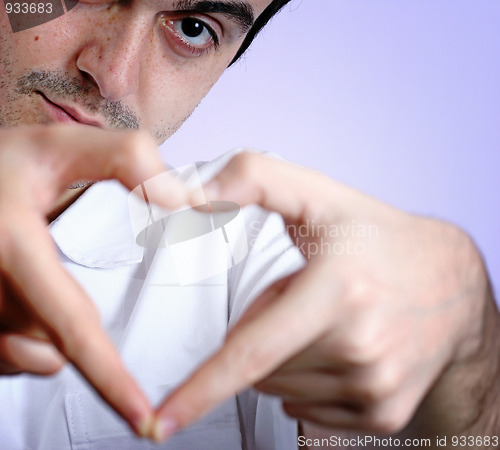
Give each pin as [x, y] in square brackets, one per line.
[163, 329]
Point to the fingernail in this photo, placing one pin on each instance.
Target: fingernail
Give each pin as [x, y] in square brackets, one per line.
[163, 429]
[197, 197]
[163, 189]
[143, 428]
[212, 189]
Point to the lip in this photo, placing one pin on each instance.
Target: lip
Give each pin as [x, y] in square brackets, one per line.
[67, 114]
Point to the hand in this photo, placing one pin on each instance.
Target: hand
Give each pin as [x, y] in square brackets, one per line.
[45, 316]
[391, 309]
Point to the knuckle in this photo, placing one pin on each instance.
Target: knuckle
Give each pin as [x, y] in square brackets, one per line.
[357, 295]
[131, 145]
[244, 165]
[386, 420]
[467, 250]
[369, 393]
[382, 384]
[356, 354]
[357, 351]
[136, 142]
[364, 340]
[135, 152]
[361, 292]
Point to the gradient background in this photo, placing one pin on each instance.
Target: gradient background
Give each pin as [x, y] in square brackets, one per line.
[400, 99]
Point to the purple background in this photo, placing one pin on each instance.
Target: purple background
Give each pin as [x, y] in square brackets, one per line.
[400, 99]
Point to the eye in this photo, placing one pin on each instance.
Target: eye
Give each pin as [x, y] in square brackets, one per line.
[195, 31]
[192, 35]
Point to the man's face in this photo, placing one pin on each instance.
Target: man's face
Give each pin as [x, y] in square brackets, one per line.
[127, 64]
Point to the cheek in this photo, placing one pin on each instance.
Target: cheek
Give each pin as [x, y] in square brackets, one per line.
[38, 46]
[173, 91]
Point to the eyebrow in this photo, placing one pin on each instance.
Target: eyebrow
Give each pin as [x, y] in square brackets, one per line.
[237, 11]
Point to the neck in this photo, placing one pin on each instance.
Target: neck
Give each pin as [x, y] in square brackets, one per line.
[65, 201]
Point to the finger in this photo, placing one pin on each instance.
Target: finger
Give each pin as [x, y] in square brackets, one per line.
[72, 322]
[315, 359]
[298, 194]
[311, 387]
[388, 417]
[27, 328]
[332, 415]
[15, 317]
[271, 294]
[22, 354]
[252, 351]
[78, 153]
[364, 385]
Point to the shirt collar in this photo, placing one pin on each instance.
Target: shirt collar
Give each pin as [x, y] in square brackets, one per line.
[95, 231]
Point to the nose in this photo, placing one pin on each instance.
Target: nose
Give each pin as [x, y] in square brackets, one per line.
[112, 57]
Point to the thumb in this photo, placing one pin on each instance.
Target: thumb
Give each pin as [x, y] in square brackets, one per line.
[298, 194]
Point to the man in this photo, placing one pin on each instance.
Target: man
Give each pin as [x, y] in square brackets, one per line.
[114, 63]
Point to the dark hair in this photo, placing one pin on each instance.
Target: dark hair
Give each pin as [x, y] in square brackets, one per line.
[261, 21]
